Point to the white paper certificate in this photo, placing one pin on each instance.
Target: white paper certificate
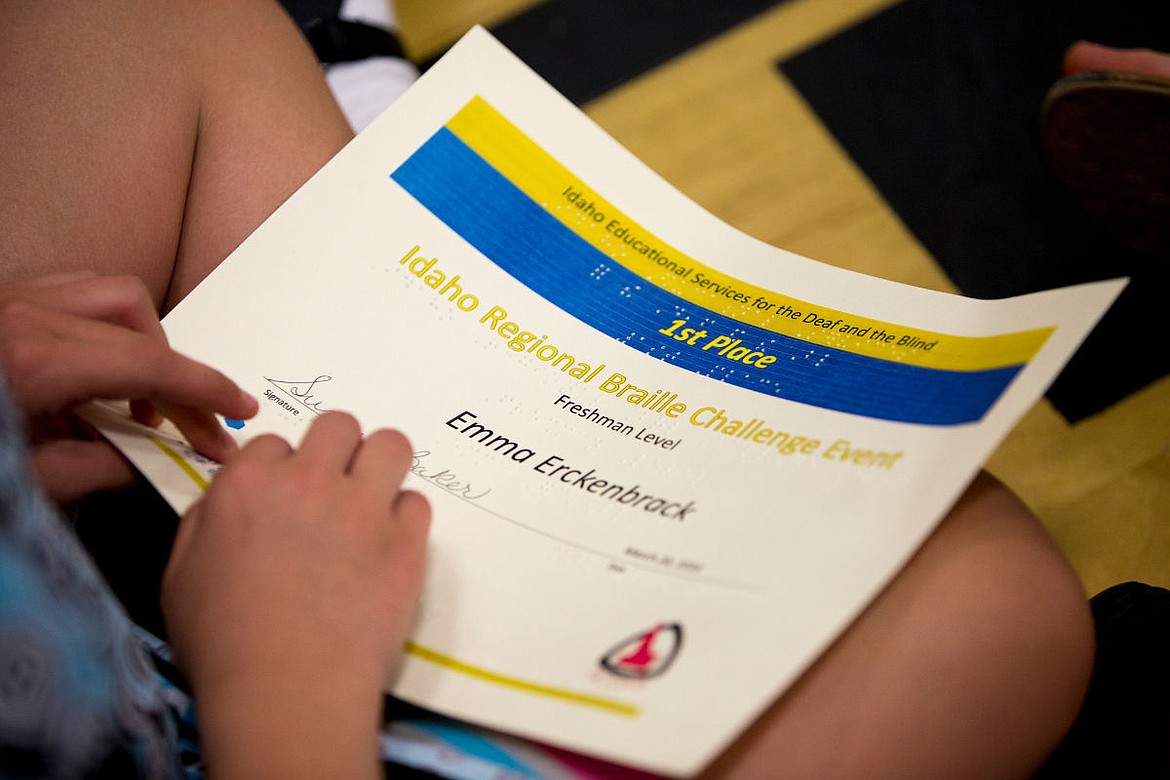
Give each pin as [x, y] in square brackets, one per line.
[668, 463]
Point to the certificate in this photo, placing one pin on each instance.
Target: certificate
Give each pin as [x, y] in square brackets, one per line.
[668, 463]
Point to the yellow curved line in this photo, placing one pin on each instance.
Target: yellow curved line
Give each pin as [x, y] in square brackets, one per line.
[584, 699]
[181, 462]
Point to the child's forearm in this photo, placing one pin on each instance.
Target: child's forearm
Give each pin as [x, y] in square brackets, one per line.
[289, 729]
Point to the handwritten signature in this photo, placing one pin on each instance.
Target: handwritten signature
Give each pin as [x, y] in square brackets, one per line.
[443, 478]
[304, 391]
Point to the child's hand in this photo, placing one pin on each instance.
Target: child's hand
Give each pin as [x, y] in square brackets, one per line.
[72, 338]
[290, 593]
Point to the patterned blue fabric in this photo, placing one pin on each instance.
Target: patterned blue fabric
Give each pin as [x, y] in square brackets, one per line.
[78, 697]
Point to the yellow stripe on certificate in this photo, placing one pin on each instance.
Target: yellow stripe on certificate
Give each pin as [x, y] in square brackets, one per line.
[181, 462]
[597, 221]
[572, 697]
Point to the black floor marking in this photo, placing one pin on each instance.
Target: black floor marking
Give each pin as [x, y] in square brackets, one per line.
[587, 49]
[938, 103]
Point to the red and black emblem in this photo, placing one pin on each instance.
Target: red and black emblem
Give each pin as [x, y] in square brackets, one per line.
[645, 654]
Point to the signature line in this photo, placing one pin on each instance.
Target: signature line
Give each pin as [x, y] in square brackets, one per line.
[198, 479]
[584, 699]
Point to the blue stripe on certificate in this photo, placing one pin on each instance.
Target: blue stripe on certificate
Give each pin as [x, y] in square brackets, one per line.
[473, 199]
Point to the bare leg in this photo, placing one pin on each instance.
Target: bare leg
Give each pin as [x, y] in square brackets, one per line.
[972, 663]
[151, 137]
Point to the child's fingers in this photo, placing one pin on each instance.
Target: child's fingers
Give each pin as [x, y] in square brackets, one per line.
[143, 411]
[69, 468]
[202, 430]
[265, 447]
[331, 441]
[57, 360]
[413, 511]
[384, 458]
